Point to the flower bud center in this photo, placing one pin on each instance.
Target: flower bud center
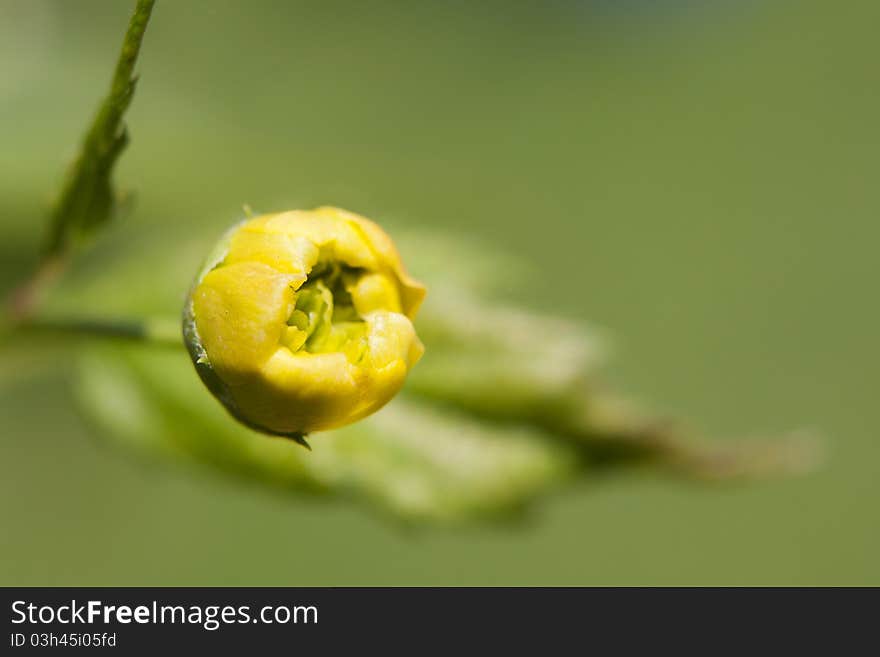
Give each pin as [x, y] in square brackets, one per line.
[324, 318]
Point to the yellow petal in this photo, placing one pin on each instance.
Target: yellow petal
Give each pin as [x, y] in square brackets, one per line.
[412, 292]
[286, 253]
[240, 311]
[375, 292]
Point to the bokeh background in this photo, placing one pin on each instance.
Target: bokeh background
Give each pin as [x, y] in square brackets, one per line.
[699, 177]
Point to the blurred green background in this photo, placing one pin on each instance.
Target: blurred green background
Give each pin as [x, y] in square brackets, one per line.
[700, 178]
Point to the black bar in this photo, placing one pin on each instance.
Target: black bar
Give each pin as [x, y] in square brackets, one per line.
[415, 621]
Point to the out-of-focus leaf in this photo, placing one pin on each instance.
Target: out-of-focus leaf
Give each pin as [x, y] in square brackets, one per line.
[410, 459]
[513, 367]
[525, 363]
[505, 404]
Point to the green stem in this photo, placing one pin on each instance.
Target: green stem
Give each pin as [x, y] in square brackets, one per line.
[26, 297]
[159, 331]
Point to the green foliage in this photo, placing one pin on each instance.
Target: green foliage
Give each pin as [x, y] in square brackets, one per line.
[506, 405]
[410, 460]
[88, 198]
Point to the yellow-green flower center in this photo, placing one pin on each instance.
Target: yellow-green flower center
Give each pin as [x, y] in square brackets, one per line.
[324, 318]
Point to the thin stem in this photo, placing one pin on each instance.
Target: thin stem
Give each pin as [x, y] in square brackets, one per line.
[25, 298]
[159, 331]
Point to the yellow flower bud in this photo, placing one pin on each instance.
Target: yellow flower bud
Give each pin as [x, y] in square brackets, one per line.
[302, 321]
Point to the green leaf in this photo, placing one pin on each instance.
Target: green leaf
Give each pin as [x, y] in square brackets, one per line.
[515, 368]
[87, 198]
[410, 460]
